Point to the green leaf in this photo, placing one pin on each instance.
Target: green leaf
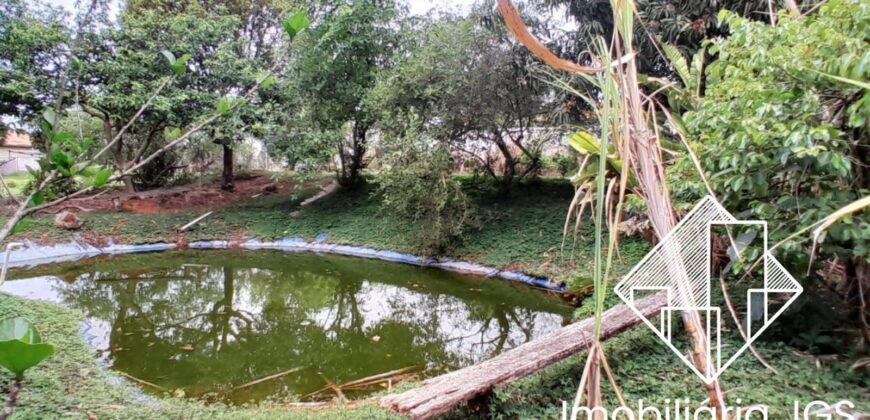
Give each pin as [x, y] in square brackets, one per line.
[37, 199]
[584, 143]
[169, 56]
[224, 106]
[678, 62]
[179, 66]
[17, 356]
[21, 347]
[295, 24]
[76, 147]
[102, 177]
[22, 226]
[18, 329]
[856, 83]
[267, 82]
[49, 116]
[60, 159]
[172, 133]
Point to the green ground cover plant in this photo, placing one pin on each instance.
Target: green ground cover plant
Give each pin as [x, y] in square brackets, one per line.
[521, 231]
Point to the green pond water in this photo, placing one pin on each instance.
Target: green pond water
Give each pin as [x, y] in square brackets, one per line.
[210, 323]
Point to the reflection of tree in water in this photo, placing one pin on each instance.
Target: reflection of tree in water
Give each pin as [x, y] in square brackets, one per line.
[210, 328]
[472, 330]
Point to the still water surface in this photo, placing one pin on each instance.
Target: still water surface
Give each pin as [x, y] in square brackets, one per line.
[209, 323]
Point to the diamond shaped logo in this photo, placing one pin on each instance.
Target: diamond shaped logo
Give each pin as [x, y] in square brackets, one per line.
[681, 267]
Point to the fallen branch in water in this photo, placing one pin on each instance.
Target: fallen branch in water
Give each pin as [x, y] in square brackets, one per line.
[267, 378]
[377, 378]
[144, 382]
[362, 382]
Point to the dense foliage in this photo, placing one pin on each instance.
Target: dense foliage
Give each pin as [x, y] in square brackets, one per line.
[783, 133]
[31, 72]
[471, 88]
[341, 59]
[685, 24]
[127, 69]
[417, 185]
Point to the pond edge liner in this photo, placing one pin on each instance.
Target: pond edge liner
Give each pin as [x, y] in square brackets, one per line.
[32, 254]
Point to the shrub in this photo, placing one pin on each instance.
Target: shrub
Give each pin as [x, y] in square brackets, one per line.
[782, 131]
[159, 172]
[417, 186]
[566, 163]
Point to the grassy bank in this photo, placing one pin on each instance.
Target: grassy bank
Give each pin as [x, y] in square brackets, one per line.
[522, 231]
[645, 369]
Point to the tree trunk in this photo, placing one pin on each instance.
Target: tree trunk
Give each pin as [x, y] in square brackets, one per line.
[227, 181]
[128, 184]
[118, 155]
[509, 171]
[352, 160]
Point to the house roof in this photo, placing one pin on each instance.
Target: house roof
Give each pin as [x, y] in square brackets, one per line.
[17, 139]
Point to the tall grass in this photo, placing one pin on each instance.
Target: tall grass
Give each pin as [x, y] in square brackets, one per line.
[630, 131]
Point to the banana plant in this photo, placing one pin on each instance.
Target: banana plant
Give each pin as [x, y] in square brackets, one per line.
[589, 149]
[588, 146]
[686, 94]
[21, 346]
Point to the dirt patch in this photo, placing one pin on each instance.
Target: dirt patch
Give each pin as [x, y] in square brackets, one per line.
[175, 199]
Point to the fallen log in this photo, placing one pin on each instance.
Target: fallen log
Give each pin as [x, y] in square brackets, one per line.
[440, 394]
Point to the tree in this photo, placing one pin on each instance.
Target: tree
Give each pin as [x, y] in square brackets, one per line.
[334, 73]
[684, 24]
[124, 69]
[69, 156]
[259, 29]
[32, 40]
[416, 184]
[472, 88]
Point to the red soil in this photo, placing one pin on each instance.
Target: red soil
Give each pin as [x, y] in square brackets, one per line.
[167, 200]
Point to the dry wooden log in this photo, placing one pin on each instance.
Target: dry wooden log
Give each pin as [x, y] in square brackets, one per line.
[439, 395]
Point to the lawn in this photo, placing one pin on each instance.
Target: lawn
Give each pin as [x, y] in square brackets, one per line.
[16, 183]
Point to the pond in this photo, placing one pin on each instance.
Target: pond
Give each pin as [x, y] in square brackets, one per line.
[240, 326]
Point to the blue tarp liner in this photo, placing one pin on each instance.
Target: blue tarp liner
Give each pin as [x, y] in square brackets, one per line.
[399, 257]
[126, 249]
[34, 254]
